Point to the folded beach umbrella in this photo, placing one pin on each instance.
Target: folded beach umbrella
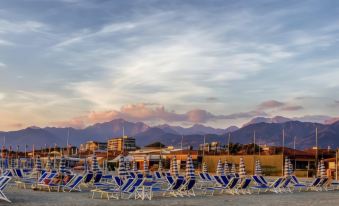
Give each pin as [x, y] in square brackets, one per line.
[160, 166]
[233, 169]
[322, 169]
[286, 167]
[190, 173]
[242, 170]
[226, 168]
[37, 165]
[48, 163]
[220, 168]
[258, 170]
[127, 165]
[146, 170]
[12, 163]
[18, 163]
[95, 164]
[122, 169]
[62, 165]
[204, 167]
[135, 166]
[174, 169]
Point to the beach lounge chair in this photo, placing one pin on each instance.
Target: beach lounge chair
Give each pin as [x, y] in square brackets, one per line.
[187, 189]
[296, 184]
[173, 190]
[244, 187]
[73, 185]
[284, 186]
[314, 184]
[4, 180]
[323, 184]
[274, 187]
[87, 179]
[263, 179]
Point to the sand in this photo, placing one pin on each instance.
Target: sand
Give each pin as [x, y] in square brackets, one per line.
[28, 197]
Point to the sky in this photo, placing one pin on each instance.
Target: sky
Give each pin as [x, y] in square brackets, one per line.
[181, 62]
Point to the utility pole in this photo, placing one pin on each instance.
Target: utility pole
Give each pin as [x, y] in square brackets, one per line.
[182, 139]
[283, 151]
[228, 144]
[295, 161]
[316, 147]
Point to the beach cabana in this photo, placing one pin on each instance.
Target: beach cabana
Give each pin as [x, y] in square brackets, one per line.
[242, 170]
[190, 173]
[220, 168]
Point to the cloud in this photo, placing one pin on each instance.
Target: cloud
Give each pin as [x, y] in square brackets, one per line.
[151, 113]
[292, 108]
[270, 104]
[2, 65]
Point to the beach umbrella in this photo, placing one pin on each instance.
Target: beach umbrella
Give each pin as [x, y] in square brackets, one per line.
[62, 165]
[160, 166]
[286, 167]
[95, 164]
[220, 168]
[258, 170]
[242, 170]
[190, 173]
[204, 168]
[12, 163]
[122, 169]
[233, 169]
[226, 168]
[135, 166]
[48, 163]
[146, 170]
[322, 169]
[37, 166]
[127, 165]
[18, 163]
[174, 168]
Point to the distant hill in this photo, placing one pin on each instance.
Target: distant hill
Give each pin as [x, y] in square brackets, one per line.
[269, 132]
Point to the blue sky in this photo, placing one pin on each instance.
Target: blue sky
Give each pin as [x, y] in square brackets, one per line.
[220, 63]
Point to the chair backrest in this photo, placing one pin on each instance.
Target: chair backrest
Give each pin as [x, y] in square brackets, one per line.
[263, 180]
[234, 182]
[135, 185]
[286, 182]
[4, 182]
[76, 181]
[118, 181]
[245, 183]
[190, 184]
[127, 184]
[202, 176]
[42, 177]
[132, 174]
[51, 175]
[323, 182]
[140, 176]
[178, 184]
[316, 182]
[97, 177]
[258, 180]
[295, 179]
[277, 182]
[19, 173]
[224, 179]
[208, 176]
[237, 175]
[157, 175]
[217, 178]
[170, 179]
[88, 177]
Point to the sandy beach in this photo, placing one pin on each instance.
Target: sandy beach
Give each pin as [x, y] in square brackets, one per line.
[29, 197]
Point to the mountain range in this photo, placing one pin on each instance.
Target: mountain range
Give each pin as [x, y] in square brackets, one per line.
[267, 131]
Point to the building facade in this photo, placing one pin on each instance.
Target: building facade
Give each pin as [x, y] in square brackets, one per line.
[120, 144]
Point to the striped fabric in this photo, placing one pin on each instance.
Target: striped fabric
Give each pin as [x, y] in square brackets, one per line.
[135, 166]
[322, 169]
[258, 170]
[226, 168]
[146, 170]
[290, 168]
[48, 163]
[242, 170]
[233, 169]
[12, 163]
[37, 166]
[160, 166]
[204, 167]
[220, 168]
[286, 167]
[62, 164]
[128, 166]
[95, 164]
[174, 168]
[190, 173]
[122, 169]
